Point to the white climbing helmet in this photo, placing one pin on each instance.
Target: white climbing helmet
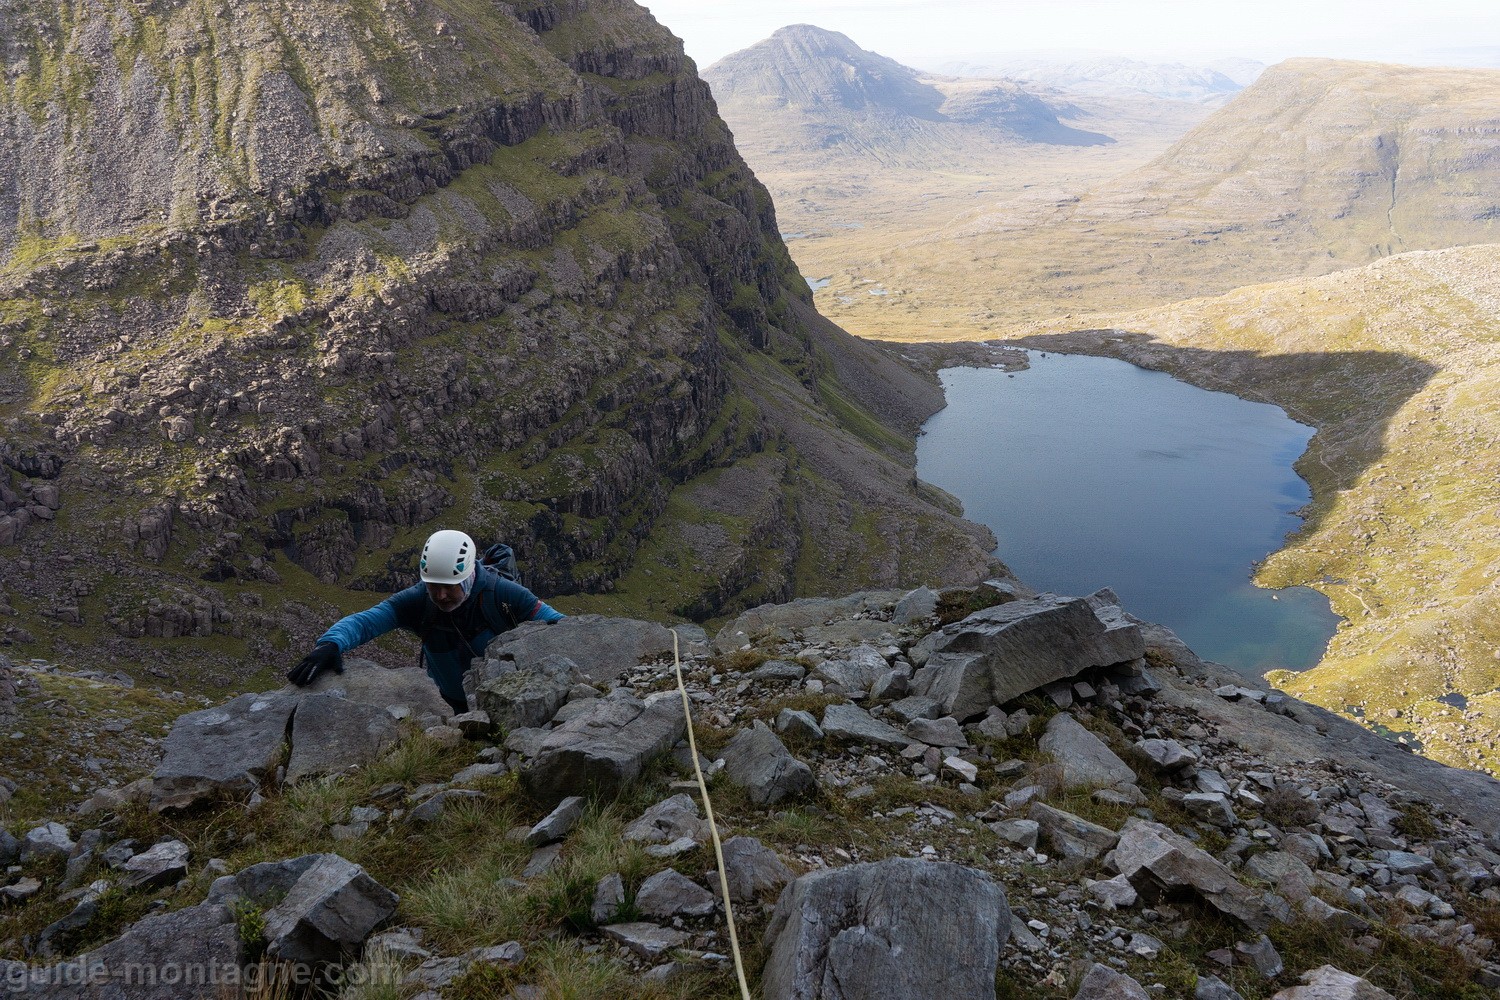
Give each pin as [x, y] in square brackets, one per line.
[448, 557]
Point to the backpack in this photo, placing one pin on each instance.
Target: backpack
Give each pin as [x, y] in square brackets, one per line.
[502, 559]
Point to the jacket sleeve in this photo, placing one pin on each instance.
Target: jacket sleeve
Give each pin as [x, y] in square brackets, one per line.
[403, 610]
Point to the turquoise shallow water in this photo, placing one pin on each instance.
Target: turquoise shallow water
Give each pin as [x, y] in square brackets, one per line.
[1095, 473]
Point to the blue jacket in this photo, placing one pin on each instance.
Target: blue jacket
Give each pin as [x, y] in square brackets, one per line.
[495, 605]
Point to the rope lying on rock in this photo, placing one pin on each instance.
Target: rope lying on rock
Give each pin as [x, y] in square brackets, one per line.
[713, 829]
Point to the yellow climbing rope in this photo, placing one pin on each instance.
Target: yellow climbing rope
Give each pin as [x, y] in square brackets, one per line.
[713, 829]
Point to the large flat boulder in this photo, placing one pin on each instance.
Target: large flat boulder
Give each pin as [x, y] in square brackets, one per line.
[604, 648]
[901, 929]
[222, 752]
[1085, 759]
[406, 691]
[1158, 860]
[332, 735]
[774, 622]
[328, 913]
[604, 750]
[1003, 652]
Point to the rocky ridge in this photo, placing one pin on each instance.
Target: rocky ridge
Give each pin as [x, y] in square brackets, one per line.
[1140, 821]
[284, 285]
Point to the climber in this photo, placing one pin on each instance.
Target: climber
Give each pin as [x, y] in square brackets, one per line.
[460, 605]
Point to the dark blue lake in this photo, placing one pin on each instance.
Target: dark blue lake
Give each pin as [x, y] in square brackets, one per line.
[1095, 473]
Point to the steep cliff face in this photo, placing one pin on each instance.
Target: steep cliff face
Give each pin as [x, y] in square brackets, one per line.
[285, 286]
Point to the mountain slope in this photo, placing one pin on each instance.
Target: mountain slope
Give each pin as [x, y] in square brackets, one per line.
[286, 286]
[1319, 165]
[1118, 76]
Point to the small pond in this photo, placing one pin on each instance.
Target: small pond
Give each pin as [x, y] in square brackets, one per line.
[1095, 473]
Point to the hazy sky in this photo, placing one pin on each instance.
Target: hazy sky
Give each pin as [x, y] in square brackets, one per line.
[927, 32]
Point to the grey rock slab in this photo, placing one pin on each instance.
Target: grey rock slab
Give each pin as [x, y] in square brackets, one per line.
[892, 684]
[475, 725]
[670, 894]
[606, 750]
[1157, 860]
[557, 824]
[1069, 835]
[474, 772]
[1086, 760]
[942, 732]
[1284, 872]
[1112, 893]
[1328, 915]
[1214, 988]
[761, 764]
[850, 722]
[752, 869]
[854, 672]
[647, 940]
[1167, 754]
[798, 724]
[21, 890]
[1405, 862]
[890, 929]
[10, 848]
[435, 805]
[328, 912]
[223, 751]
[366, 683]
[807, 615]
[1261, 955]
[1022, 833]
[609, 897]
[604, 648]
[331, 735]
[1329, 983]
[542, 859]
[916, 707]
[1003, 652]
[669, 820]
[1212, 807]
[163, 865]
[1104, 983]
[917, 605]
[530, 696]
[779, 672]
[50, 840]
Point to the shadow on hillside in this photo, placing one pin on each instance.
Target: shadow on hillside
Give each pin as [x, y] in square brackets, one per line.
[1349, 396]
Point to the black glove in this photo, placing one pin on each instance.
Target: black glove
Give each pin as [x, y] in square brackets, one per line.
[325, 656]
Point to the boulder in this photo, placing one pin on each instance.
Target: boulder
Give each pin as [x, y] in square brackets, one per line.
[223, 751]
[402, 692]
[918, 605]
[528, 698]
[752, 869]
[1169, 755]
[855, 672]
[1071, 836]
[1104, 983]
[942, 732]
[779, 671]
[327, 913]
[669, 820]
[1214, 988]
[645, 940]
[1328, 983]
[603, 752]
[1003, 652]
[331, 735]
[603, 648]
[798, 724]
[163, 865]
[891, 929]
[669, 894]
[10, 848]
[609, 897]
[758, 762]
[1156, 860]
[435, 805]
[1212, 807]
[850, 722]
[50, 840]
[1111, 893]
[1022, 833]
[1086, 761]
[556, 824]
[915, 707]
[784, 621]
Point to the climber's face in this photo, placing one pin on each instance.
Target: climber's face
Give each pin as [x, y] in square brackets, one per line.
[447, 596]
